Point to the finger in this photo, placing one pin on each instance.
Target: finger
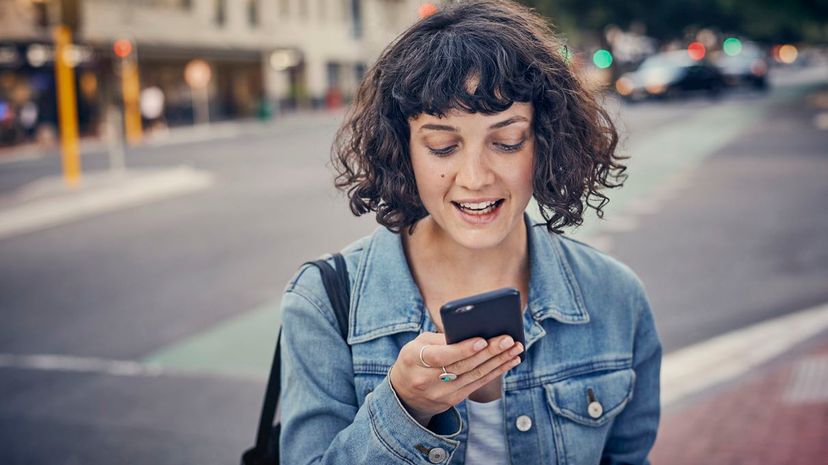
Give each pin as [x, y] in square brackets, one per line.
[432, 338]
[478, 383]
[497, 346]
[483, 370]
[443, 355]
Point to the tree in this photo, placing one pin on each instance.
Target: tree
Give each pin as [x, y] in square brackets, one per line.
[763, 20]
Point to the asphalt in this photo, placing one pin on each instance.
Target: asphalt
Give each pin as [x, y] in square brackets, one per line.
[741, 242]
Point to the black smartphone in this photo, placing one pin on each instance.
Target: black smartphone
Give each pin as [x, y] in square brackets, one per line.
[484, 315]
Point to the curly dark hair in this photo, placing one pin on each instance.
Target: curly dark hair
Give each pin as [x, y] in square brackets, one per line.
[516, 57]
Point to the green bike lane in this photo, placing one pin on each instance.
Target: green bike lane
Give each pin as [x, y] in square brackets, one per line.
[660, 157]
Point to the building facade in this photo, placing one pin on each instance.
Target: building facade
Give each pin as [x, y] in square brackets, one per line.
[264, 55]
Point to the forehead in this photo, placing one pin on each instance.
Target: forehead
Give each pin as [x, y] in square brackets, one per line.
[458, 117]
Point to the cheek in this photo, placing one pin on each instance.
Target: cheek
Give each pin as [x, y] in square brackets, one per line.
[521, 174]
[430, 176]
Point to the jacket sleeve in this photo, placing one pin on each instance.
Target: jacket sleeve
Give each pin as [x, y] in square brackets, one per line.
[633, 431]
[321, 421]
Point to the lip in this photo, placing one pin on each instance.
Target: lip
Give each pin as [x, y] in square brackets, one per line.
[477, 220]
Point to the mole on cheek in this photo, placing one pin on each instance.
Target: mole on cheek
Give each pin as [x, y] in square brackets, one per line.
[442, 175]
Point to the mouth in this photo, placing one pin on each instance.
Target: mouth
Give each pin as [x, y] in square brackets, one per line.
[479, 212]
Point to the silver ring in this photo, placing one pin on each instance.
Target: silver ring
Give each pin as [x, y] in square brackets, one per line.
[422, 362]
[446, 377]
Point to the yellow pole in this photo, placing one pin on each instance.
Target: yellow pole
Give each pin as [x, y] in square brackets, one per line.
[67, 107]
[131, 90]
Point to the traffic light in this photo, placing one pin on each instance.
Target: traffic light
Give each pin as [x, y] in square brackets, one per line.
[427, 9]
[732, 46]
[122, 48]
[602, 58]
[696, 50]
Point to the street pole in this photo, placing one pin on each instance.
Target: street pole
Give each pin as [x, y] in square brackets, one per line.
[67, 107]
[131, 91]
[201, 104]
[114, 141]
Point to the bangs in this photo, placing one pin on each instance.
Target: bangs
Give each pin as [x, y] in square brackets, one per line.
[461, 70]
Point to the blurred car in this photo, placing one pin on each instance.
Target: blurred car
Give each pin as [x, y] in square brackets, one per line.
[747, 68]
[670, 74]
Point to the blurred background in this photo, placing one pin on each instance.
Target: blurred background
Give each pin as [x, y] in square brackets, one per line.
[163, 174]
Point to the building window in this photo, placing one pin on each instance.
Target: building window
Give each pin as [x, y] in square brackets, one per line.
[173, 4]
[359, 71]
[356, 17]
[253, 12]
[221, 11]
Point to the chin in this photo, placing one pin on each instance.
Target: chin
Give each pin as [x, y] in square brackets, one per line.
[481, 235]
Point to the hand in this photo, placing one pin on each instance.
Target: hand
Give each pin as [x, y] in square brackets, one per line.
[475, 361]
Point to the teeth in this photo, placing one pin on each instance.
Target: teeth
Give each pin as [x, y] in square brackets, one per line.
[479, 208]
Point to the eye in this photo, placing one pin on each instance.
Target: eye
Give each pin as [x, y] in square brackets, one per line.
[510, 148]
[443, 151]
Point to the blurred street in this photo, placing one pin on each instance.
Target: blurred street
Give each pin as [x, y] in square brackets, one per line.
[157, 321]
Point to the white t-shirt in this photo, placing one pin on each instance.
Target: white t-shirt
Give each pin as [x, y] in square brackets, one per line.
[487, 434]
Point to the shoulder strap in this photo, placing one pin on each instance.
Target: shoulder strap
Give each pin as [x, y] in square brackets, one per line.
[338, 287]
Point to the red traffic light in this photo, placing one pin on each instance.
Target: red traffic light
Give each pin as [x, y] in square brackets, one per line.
[427, 9]
[696, 50]
[122, 48]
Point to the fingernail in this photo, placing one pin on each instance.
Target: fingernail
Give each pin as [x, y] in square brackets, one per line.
[480, 345]
[506, 343]
[516, 350]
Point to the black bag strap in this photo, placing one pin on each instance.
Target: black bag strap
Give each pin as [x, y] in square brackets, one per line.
[338, 287]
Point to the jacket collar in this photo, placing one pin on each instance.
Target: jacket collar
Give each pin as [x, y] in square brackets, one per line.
[386, 299]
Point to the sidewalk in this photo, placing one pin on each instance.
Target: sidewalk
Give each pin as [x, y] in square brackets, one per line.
[287, 122]
[776, 414]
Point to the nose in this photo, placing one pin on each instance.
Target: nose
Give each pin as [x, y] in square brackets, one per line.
[474, 172]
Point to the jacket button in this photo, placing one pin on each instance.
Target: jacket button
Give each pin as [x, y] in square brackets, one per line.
[595, 409]
[523, 423]
[437, 455]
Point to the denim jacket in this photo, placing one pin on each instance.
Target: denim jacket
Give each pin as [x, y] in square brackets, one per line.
[587, 392]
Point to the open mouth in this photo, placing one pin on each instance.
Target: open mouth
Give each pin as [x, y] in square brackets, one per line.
[478, 208]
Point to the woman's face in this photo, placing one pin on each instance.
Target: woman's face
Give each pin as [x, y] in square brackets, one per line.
[474, 172]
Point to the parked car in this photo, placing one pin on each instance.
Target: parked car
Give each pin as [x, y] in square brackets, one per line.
[748, 68]
[670, 74]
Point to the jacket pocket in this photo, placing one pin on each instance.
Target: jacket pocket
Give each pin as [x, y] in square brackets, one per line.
[583, 408]
[592, 399]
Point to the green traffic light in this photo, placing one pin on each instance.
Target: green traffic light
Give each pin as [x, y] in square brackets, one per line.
[602, 58]
[732, 46]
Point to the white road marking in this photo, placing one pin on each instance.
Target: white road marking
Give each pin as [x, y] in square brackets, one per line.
[644, 205]
[620, 223]
[728, 356]
[602, 242]
[683, 372]
[49, 211]
[79, 364]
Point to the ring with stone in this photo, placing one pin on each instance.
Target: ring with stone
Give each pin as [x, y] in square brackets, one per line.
[446, 377]
[422, 362]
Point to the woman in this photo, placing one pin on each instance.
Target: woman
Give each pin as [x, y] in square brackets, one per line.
[462, 120]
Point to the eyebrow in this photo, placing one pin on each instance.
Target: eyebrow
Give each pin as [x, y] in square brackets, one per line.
[443, 127]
